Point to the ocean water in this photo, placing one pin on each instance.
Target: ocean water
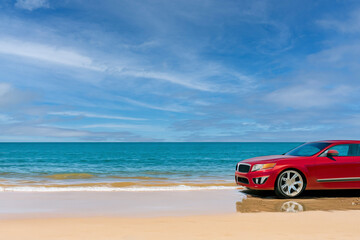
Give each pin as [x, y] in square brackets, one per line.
[125, 166]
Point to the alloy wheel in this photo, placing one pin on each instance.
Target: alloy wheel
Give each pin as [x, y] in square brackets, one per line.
[290, 184]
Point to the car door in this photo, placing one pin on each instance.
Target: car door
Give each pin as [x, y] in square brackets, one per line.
[338, 172]
[356, 184]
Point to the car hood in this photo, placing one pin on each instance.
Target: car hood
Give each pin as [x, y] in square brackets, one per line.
[268, 158]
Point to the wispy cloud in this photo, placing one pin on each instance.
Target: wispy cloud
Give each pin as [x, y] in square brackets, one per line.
[32, 4]
[72, 58]
[309, 96]
[185, 81]
[6, 119]
[4, 88]
[167, 107]
[344, 55]
[26, 130]
[47, 53]
[94, 115]
[47, 133]
[10, 96]
[351, 24]
[139, 127]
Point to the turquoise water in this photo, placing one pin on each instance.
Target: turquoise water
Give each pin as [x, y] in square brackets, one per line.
[102, 166]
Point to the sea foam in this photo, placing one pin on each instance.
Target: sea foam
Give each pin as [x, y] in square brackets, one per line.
[111, 189]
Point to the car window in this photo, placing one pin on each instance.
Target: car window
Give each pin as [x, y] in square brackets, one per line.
[354, 150]
[347, 149]
[343, 149]
[308, 149]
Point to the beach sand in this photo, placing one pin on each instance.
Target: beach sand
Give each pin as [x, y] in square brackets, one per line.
[306, 225]
[217, 214]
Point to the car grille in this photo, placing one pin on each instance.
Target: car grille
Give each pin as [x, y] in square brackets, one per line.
[242, 180]
[244, 168]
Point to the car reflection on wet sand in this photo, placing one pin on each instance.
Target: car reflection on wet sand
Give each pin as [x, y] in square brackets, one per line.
[257, 201]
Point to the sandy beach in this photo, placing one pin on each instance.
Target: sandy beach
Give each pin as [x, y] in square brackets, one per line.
[218, 214]
[307, 225]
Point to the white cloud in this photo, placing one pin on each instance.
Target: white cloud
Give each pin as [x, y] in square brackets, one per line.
[350, 25]
[185, 81]
[169, 108]
[47, 53]
[308, 96]
[198, 78]
[93, 115]
[149, 128]
[338, 56]
[31, 4]
[4, 88]
[22, 130]
[10, 96]
[71, 58]
[6, 119]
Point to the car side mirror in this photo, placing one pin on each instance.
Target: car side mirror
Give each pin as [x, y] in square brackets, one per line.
[332, 153]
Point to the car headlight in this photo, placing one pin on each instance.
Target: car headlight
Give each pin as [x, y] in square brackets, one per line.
[258, 167]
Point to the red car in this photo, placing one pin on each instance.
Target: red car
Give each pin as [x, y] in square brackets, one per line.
[333, 164]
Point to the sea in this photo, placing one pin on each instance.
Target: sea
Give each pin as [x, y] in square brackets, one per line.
[55, 167]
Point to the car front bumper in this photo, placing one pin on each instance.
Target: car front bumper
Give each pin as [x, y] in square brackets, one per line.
[261, 180]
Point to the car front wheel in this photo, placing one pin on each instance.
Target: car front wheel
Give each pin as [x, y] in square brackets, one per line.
[289, 184]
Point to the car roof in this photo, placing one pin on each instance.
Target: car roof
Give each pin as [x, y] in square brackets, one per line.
[340, 141]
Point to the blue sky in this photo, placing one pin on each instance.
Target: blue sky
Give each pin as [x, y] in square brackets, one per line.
[179, 70]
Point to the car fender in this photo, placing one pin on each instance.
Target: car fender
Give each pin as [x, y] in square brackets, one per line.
[302, 170]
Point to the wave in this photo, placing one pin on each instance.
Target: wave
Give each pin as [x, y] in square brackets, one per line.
[117, 187]
[140, 178]
[62, 176]
[112, 189]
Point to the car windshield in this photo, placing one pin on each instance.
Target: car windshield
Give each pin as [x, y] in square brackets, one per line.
[308, 149]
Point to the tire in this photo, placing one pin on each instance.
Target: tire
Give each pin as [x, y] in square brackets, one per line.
[290, 184]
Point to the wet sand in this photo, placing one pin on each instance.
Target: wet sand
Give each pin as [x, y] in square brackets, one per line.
[217, 214]
[117, 204]
[257, 201]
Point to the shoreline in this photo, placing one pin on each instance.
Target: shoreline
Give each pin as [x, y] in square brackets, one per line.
[167, 203]
[119, 187]
[118, 204]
